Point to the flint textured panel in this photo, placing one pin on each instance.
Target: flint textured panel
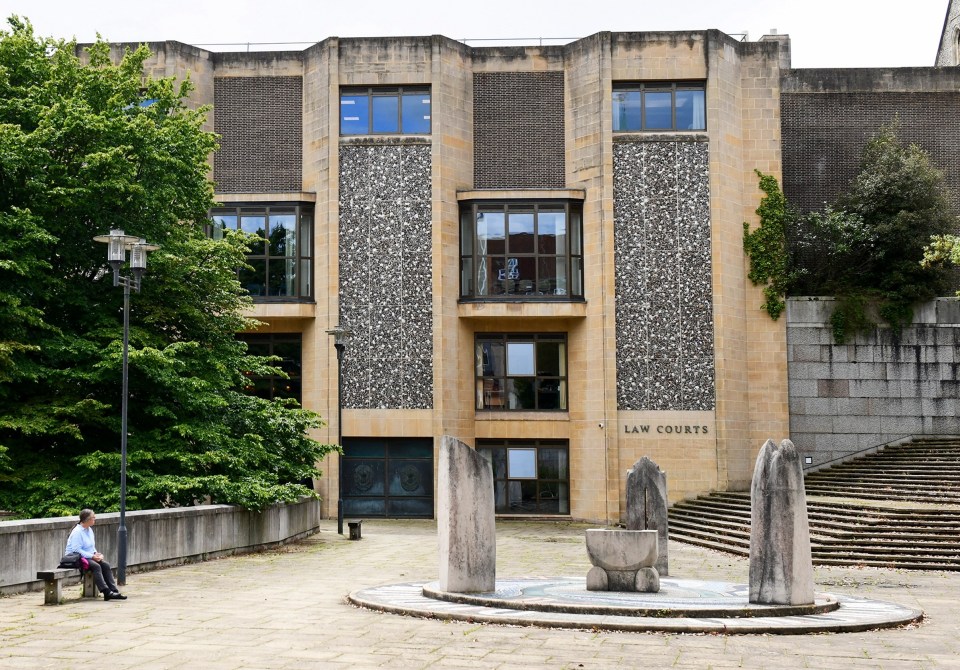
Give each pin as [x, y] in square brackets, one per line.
[664, 296]
[386, 294]
[260, 123]
[518, 130]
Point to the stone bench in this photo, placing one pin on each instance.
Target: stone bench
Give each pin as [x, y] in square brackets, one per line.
[53, 584]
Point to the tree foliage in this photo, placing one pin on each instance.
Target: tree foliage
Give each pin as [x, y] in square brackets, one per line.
[87, 145]
[943, 250]
[866, 248]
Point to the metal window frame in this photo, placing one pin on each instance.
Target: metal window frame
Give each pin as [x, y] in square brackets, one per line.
[569, 207]
[302, 253]
[661, 87]
[383, 91]
[536, 444]
[563, 380]
[271, 339]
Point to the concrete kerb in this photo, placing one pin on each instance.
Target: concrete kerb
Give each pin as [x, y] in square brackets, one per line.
[830, 614]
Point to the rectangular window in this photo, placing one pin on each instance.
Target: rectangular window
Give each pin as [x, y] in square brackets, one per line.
[379, 110]
[653, 106]
[281, 250]
[529, 476]
[521, 251]
[288, 348]
[521, 372]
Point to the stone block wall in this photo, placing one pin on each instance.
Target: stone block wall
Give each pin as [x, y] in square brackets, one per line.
[386, 273]
[664, 299]
[877, 388]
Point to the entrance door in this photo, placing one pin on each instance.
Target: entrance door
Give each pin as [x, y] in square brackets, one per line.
[387, 477]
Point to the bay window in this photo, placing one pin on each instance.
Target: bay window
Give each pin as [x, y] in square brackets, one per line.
[521, 251]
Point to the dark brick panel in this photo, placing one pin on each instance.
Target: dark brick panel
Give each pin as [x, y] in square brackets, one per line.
[824, 134]
[260, 123]
[518, 130]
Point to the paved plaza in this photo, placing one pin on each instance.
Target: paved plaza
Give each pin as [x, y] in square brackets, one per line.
[288, 609]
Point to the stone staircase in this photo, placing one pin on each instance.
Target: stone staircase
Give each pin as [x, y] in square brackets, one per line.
[899, 507]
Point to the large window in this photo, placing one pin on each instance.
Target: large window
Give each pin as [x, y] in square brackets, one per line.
[288, 348]
[281, 255]
[529, 476]
[382, 110]
[521, 372]
[526, 251]
[658, 106]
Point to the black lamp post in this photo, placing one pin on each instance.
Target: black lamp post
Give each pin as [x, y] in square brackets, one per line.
[117, 246]
[340, 337]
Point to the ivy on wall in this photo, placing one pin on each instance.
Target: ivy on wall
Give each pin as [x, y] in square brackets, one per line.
[766, 247]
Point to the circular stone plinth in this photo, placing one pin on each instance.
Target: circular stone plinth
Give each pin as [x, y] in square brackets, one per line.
[682, 605]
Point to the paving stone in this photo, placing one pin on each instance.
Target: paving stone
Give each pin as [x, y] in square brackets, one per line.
[186, 615]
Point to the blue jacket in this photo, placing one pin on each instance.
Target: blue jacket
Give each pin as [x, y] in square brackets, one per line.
[81, 542]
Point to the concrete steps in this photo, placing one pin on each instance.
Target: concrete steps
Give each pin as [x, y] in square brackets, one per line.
[899, 507]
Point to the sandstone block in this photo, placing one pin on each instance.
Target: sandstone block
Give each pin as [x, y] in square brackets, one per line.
[465, 519]
[647, 505]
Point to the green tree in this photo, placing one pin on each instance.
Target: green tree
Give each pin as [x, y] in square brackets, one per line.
[942, 250]
[87, 145]
[866, 249]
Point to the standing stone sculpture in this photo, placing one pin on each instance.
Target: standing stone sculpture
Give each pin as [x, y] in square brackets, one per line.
[647, 505]
[781, 566]
[465, 520]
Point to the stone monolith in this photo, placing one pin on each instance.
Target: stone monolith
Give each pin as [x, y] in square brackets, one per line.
[781, 566]
[465, 519]
[647, 505]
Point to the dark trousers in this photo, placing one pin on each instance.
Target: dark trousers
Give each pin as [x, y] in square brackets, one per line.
[103, 576]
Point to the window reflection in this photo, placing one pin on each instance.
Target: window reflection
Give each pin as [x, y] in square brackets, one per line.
[280, 262]
[288, 347]
[530, 476]
[521, 372]
[516, 250]
[659, 106]
[385, 110]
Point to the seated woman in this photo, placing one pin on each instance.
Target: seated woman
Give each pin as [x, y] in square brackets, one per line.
[81, 542]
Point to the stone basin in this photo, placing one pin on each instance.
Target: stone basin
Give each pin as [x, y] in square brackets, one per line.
[622, 550]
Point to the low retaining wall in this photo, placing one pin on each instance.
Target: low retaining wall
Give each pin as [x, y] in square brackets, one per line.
[155, 538]
[879, 388]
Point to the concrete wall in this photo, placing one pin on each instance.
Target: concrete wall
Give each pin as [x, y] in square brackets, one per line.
[155, 538]
[876, 389]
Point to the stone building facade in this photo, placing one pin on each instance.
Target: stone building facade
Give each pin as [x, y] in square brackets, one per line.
[948, 52]
[538, 250]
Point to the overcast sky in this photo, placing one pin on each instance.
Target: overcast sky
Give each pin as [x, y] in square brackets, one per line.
[824, 33]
